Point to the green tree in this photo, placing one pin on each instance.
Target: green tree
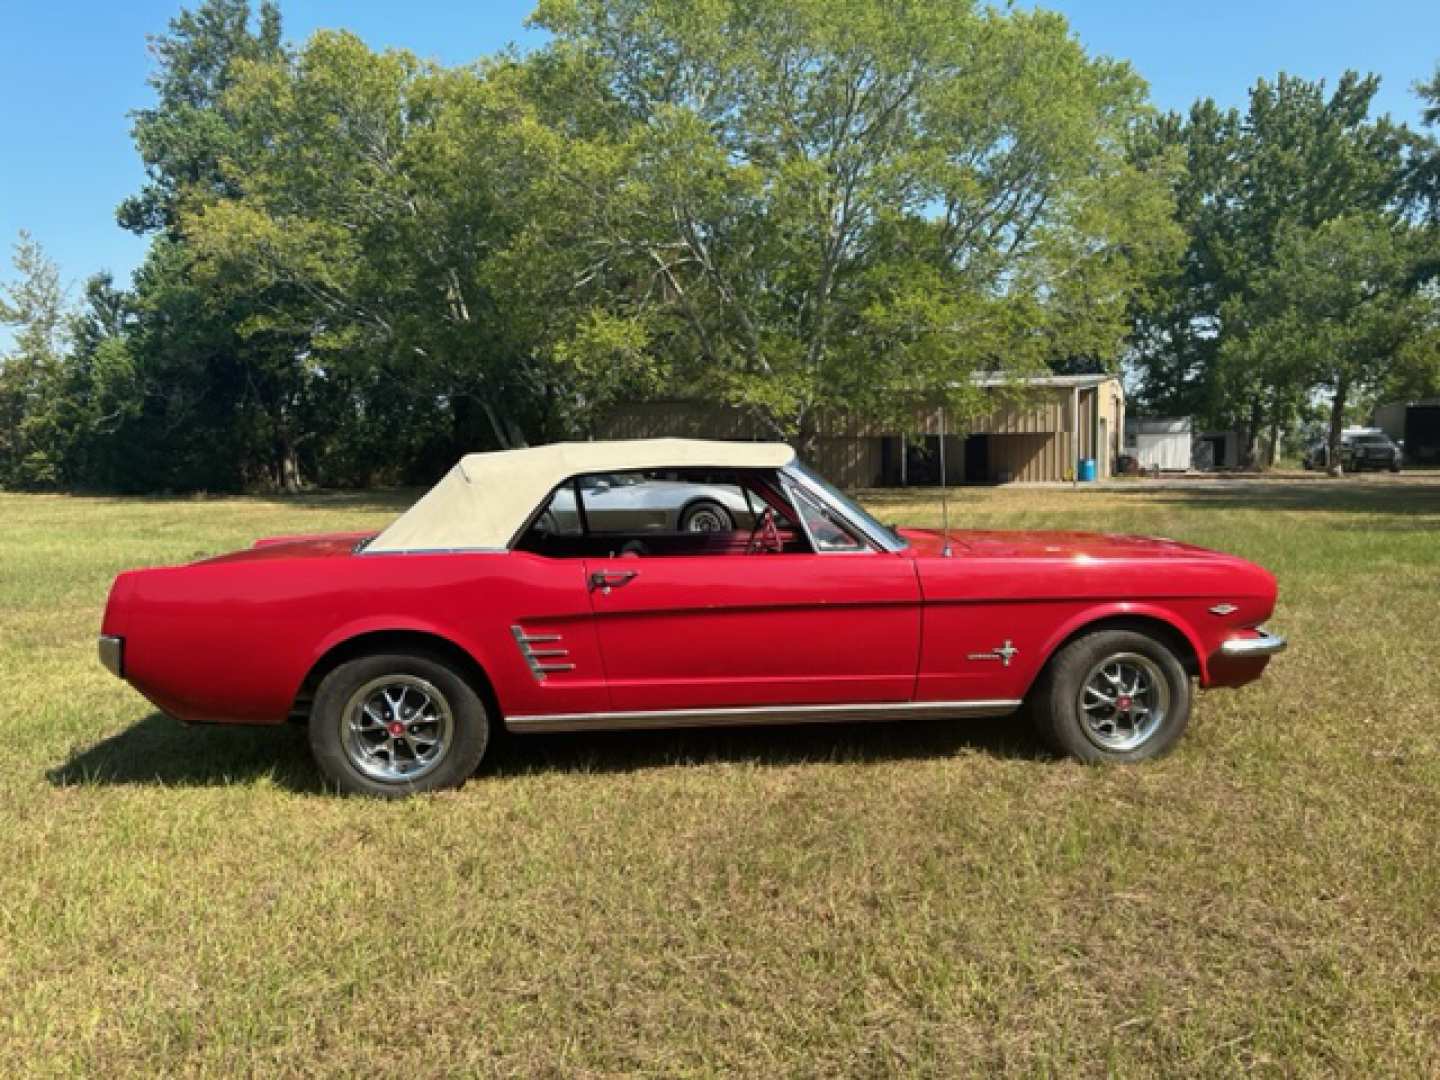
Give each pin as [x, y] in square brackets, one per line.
[1338, 305]
[810, 206]
[99, 386]
[366, 202]
[1298, 157]
[1426, 179]
[1175, 338]
[185, 135]
[32, 434]
[211, 371]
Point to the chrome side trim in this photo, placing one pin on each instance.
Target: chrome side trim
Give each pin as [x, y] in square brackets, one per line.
[758, 714]
[541, 662]
[1265, 645]
[112, 655]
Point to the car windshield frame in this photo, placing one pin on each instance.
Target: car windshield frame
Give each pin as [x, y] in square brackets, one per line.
[843, 507]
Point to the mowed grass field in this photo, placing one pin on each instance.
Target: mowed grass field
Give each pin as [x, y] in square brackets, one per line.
[935, 898]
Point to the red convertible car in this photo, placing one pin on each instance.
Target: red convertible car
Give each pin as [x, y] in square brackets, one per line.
[478, 607]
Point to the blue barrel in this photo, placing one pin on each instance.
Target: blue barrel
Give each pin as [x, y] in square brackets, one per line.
[1087, 469]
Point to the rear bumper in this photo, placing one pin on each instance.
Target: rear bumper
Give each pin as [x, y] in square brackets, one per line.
[112, 654]
[1263, 644]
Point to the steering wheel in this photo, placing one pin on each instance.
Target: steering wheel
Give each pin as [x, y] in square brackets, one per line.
[764, 536]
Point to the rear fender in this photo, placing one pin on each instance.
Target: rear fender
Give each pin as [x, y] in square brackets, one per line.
[380, 624]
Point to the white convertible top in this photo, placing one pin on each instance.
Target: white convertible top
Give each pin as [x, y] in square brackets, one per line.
[485, 500]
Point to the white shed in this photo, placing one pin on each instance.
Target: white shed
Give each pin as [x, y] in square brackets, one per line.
[1159, 442]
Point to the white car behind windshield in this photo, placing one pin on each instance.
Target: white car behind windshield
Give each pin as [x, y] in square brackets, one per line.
[631, 501]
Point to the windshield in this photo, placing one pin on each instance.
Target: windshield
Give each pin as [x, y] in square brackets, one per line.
[885, 537]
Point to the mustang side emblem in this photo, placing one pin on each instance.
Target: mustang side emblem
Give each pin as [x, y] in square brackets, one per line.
[1005, 653]
[1224, 609]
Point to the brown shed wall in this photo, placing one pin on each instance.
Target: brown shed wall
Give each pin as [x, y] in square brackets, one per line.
[1028, 443]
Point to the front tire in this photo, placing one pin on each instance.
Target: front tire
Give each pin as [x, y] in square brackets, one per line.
[1113, 696]
[397, 725]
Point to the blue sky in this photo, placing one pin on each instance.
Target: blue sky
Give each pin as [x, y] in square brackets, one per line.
[70, 73]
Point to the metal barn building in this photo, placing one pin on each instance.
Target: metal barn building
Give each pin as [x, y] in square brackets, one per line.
[1160, 442]
[1064, 419]
[1416, 424]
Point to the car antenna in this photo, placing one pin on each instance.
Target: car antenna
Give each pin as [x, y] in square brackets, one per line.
[944, 503]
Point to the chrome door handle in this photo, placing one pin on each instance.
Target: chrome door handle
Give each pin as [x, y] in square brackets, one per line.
[605, 580]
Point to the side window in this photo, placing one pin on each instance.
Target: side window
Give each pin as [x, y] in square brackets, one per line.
[828, 533]
[560, 517]
[674, 512]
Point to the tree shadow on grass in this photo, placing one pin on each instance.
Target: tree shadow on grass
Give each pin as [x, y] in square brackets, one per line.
[1398, 499]
[163, 752]
[766, 746]
[393, 500]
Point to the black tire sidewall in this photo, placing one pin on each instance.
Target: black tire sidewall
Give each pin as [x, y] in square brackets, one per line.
[467, 746]
[1058, 692]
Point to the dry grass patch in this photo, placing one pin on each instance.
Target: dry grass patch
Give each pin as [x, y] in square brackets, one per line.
[931, 899]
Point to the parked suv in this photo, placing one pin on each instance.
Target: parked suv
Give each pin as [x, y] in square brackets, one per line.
[1367, 448]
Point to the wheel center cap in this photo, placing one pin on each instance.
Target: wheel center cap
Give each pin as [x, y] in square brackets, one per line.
[1123, 703]
[395, 728]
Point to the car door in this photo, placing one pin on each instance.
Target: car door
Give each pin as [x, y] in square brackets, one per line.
[764, 628]
[714, 631]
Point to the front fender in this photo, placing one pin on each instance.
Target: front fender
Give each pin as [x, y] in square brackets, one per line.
[1126, 609]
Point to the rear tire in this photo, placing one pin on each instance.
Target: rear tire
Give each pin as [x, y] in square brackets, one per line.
[1113, 696]
[706, 515]
[396, 725]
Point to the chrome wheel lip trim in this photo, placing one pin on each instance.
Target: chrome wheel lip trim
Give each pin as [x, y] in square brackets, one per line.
[1159, 703]
[759, 714]
[366, 764]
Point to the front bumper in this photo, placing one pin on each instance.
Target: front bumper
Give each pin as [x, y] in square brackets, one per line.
[1263, 644]
[112, 654]
[1243, 658]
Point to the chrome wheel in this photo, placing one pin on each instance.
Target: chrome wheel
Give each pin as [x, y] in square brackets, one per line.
[1123, 701]
[707, 518]
[396, 728]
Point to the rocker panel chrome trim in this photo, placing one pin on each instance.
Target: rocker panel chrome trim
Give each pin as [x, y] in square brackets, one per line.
[758, 714]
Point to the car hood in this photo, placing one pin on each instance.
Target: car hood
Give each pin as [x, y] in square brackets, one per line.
[319, 546]
[1051, 545]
